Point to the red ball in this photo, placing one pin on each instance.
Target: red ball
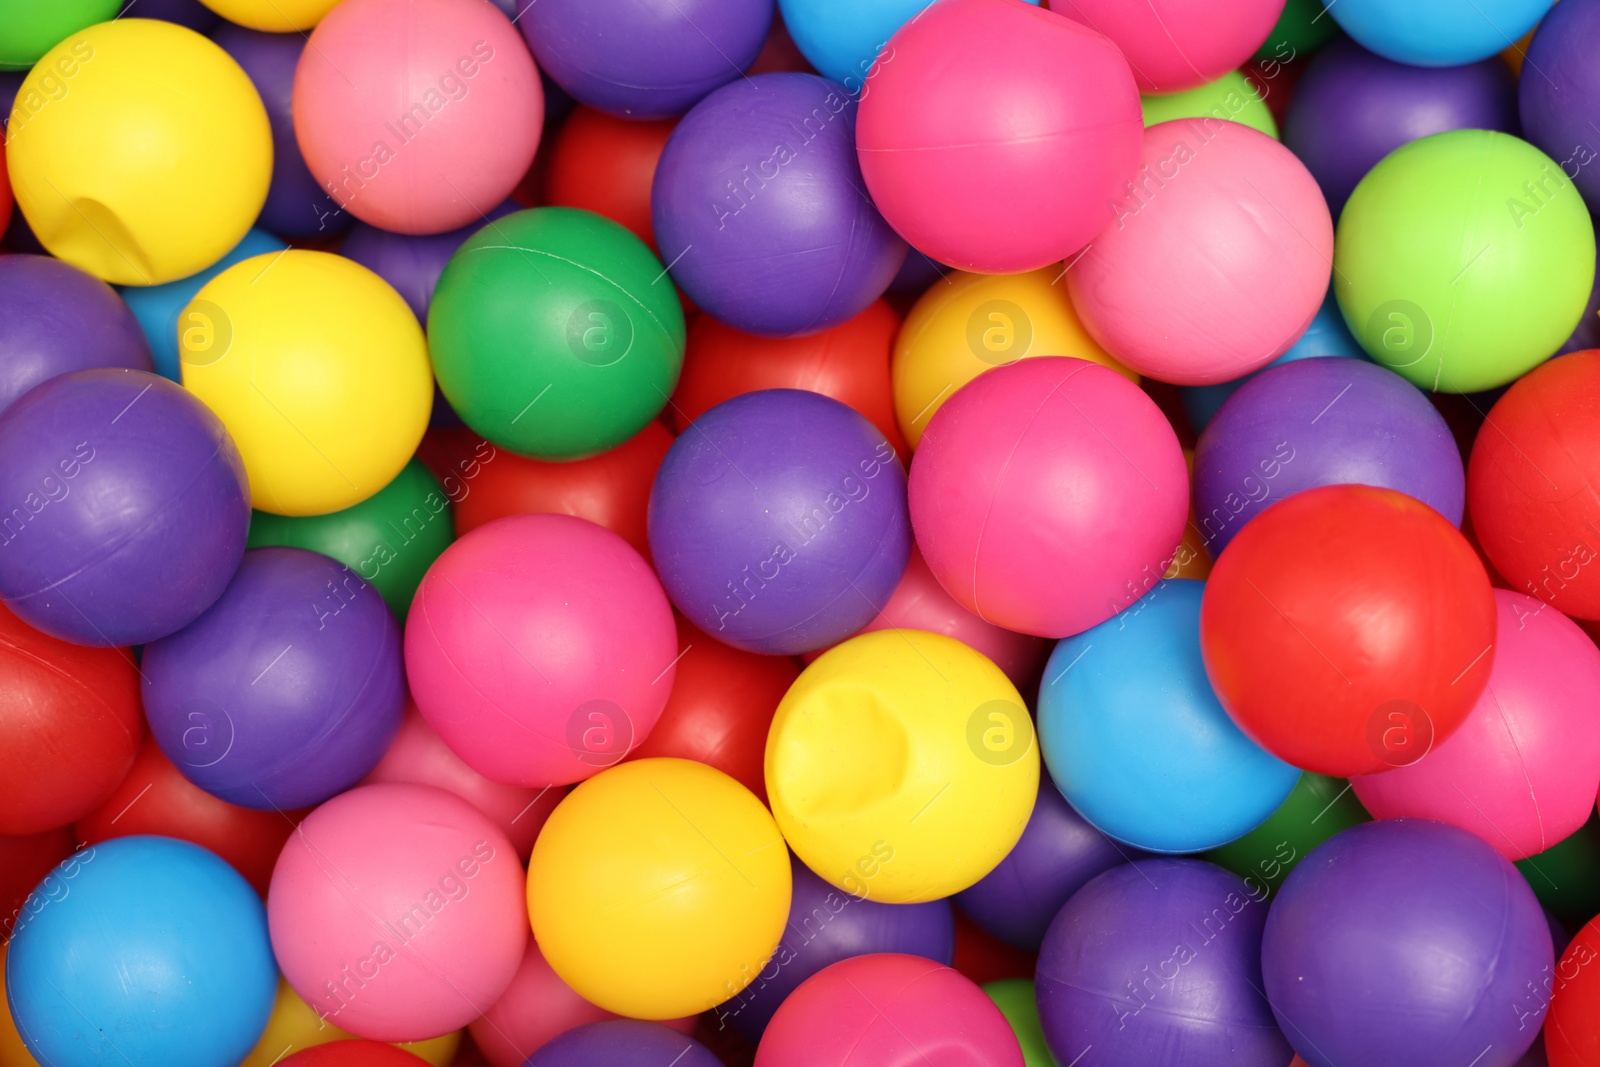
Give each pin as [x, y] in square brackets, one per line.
[1530, 484]
[849, 362]
[1572, 1029]
[70, 725]
[606, 165]
[1347, 628]
[155, 798]
[24, 861]
[352, 1054]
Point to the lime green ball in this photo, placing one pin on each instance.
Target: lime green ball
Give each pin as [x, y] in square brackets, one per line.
[1014, 997]
[1463, 260]
[389, 539]
[1231, 97]
[556, 333]
[30, 28]
[1304, 27]
[1317, 808]
[1566, 876]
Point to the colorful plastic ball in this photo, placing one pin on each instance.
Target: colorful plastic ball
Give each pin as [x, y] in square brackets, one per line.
[534, 1009]
[967, 324]
[352, 1054]
[417, 115]
[1015, 999]
[1058, 853]
[559, 308]
[1351, 108]
[25, 859]
[541, 648]
[884, 1010]
[286, 691]
[849, 362]
[1174, 45]
[159, 164]
[70, 726]
[1158, 961]
[389, 539]
[1231, 98]
[778, 524]
[1464, 260]
[958, 156]
[623, 1043]
[982, 957]
[1566, 878]
[1316, 809]
[645, 60]
[157, 307]
[993, 527]
[758, 208]
[1437, 33]
[412, 263]
[1354, 956]
[1303, 28]
[1556, 103]
[28, 31]
[1149, 289]
[1572, 1031]
[150, 950]
[606, 165]
[128, 507]
[658, 888]
[1286, 629]
[319, 371]
[274, 16]
[1523, 769]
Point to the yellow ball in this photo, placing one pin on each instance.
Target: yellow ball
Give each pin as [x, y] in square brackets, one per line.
[969, 323]
[902, 766]
[273, 16]
[295, 1025]
[139, 151]
[317, 368]
[659, 888]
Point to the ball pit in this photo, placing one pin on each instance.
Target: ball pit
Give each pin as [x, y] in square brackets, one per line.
[1317, 808]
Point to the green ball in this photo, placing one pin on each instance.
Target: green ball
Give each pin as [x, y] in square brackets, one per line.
[1304, 27]
[30, 28]
[1014, 997]
[1464, 260]
[389, 539]
[1231, 97]
[1317, 808]
[1566, 876]
[556, 333]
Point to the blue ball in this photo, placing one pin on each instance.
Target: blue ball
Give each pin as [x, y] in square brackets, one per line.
[142, 952]
[842, 38]
[1437, 33]
[1137, 741]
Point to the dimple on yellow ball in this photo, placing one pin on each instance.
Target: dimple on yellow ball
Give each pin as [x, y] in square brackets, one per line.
[659, 888]
[902, 766]
[273, 16]
[139, 151]
[319, 371]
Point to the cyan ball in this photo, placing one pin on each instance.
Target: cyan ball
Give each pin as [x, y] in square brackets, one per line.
[1437, 33]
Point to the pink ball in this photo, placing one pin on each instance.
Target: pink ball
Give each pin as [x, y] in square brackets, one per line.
[1048, 494]
[541, 648]
[888, 1010]
[419, 756]
[418, 116]
[1173, 45]
[992, 134]
[1216, 260]
[1522, 771]
[398, 912]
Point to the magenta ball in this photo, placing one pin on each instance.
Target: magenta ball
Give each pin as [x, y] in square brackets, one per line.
[884, 1010]
[1173, 45]
[990, 515]
[993, 134]
[1522, 771]
[541, 648]
[397, 912]
[1215, 261]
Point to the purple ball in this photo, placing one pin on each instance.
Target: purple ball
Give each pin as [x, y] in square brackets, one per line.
[1157, 963]
[287, 691]
[297, 206]
[778, 522]
[622, 1043]
[412, 263]
[1586, 334]
[1322, 421]
[1351, 108]
[645, 59]
[1559, 100]
[123, 507]
[761, 213]
[190, 13]
[827, 925]
[54, 319]
[1057, 854]
[1407, 942]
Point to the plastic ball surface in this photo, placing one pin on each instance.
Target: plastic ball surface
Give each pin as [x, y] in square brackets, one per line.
[151, 951]
[31, 30]
[1174, 45]
[1572, 1033]
[604, 164]
[1230, 98]
[1317, 808]
[534, 1009]
[1554, 102]
[273, 16]
[412, 263]
[623, 1043]
[658, 888]
[352, 1054]
[139, 151]
[1438, 33]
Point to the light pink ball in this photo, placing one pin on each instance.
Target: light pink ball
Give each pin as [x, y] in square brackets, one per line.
[1522, 771]
[1216, 259]
[397, 912]
[1173, 45]
[417, 116]
[1048, 495]
[541, 648]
